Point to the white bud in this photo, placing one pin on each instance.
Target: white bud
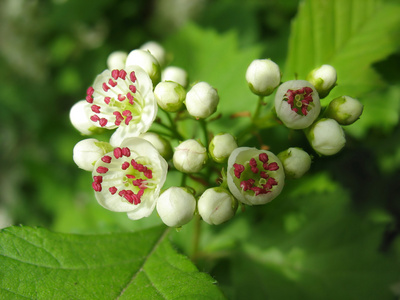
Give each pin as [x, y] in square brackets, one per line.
[169, 95]
[156, 50]
[297, 104]
[263, 76]
[87, 152]
[326, 136]
[217, 205]
[147, 62]
[79, 116]
[345, 110]
[190, 156]
[324, 79]
[116, 60]
[202, 100]
[296, 162]
[160, 143]
[176, 206]
[175, 74]
[221, 146]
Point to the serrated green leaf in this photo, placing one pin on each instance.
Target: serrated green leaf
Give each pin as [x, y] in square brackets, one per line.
[39, 264]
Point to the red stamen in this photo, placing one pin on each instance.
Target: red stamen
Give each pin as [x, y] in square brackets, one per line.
[106, 159]
[132, 88]
[130, 97]
[121, 98]
[132, 76]
[102, 170]
[103, 122]
[105, 87]
[254, 170]
[95, 118]
[238, 169]
[90, 91]
[128, 119]
[148, 173]
[130, 176]
[115, 74]
[122, 74]
[263, 157]
[96, 186]
[273, 166]
[125, 165]
[118, 152]
[126, 151]
[89, 99]
[107, 100]
[112, 83]
[95, 108]
[264, 175]
[98, 179]
[112, 190]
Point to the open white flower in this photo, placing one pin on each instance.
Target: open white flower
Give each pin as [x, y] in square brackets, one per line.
[129, 178]
[254, 176]
[122, 99]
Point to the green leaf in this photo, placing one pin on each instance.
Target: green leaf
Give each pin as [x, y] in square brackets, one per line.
[39, 264]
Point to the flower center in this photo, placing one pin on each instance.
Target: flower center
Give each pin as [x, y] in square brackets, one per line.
[255, 174]
[115, 99]
[300, 100]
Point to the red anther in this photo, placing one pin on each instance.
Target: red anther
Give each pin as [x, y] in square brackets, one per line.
[106, 159]
[258, 191]
[90, 91]
[270, 183]
[112, 83]
[126, 151]
[118, 152]
[264, 175]
[245, 185]
[304, 110]
[115, 74]
[125, 165]
[95, 118]
[127, 113]
[130, 176]
[98, 179]
[238, 169]
[132, 76]
[300, 91]
[105, 87]
[103, 122]
[121, 98]
[118, 118]
[295, 109]
[263, 157]
[107, 100]
[95, 108]
[102, 170]
[140, 193]
[132, 88]
[128, 119]
[137, 182]
[308, 89]
[254, 170]
[130, 97]
[122, 74]
[273, 166]
[96, 186]
[112, 190]
[148, 173]
[89, 99]
[253, 162]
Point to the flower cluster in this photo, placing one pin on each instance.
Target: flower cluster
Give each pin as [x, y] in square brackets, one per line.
[140, 91]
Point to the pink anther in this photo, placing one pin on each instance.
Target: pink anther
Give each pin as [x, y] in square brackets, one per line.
[95, 118]
[126, 151]
[125, 165]
[112, 190]
[121, 98]
[238, 169]
[102, 170]
[132, 76]
[118, 152]
[106, 159]
[263, 157]
[122, 74]
[132, 88]
[107, 100]
[130, 97]
[95, 108]
[90, 91]
[115, 74]
[112, 82]
[89, 99]
[105, 87]
[103, 122]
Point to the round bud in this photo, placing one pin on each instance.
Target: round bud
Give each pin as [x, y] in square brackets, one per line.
[263, 76]
[147, 62]
[79, 116]
[156, 50]
[202, 100]
[345, 110]
[221, 146]
[161, 144]
[87, 152]
[217, 205]
[323, 79]
[190, 156]
[116, 60]
[297, 104]
[296, 162]
[176, 206]
[175, 74]
[169, 95]
[326, 136]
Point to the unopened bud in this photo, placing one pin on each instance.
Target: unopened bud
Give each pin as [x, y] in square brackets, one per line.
[345, 110]
[221, 146]
[116, 60]
[324, 79]
[162, 145]
[326, 136]
[87, 152]
[263, 76]
[169, 95]
[296, 162]
[202, 100]
[297, 104]
[156, 50]
[147, 62]
[176, 206]
[190, 156]
[217, 205]
[175, 74]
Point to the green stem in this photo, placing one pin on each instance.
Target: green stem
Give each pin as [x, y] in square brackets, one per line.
[205, 131]
[196, 237]
[183, 180]
[171, 127]
[258, 108]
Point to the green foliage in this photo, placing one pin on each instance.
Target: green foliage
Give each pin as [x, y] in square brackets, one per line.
[39, 264]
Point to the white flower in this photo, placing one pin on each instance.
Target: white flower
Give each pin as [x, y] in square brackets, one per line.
[122, 99]
[296, 162]
[345, 110]
[254, 176]
[263, 76]
[297, 104]
[156, 50]
[326, 136]
[88, 151]
[176, 206]
[202, 100]
[169, 95]
[190, 156]
[221, 146]
[147, 62]
[216, 205]
[161, 144]
[129, 178]
[175, 74]
[323, 79]
[79, 116]
[116, 60]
